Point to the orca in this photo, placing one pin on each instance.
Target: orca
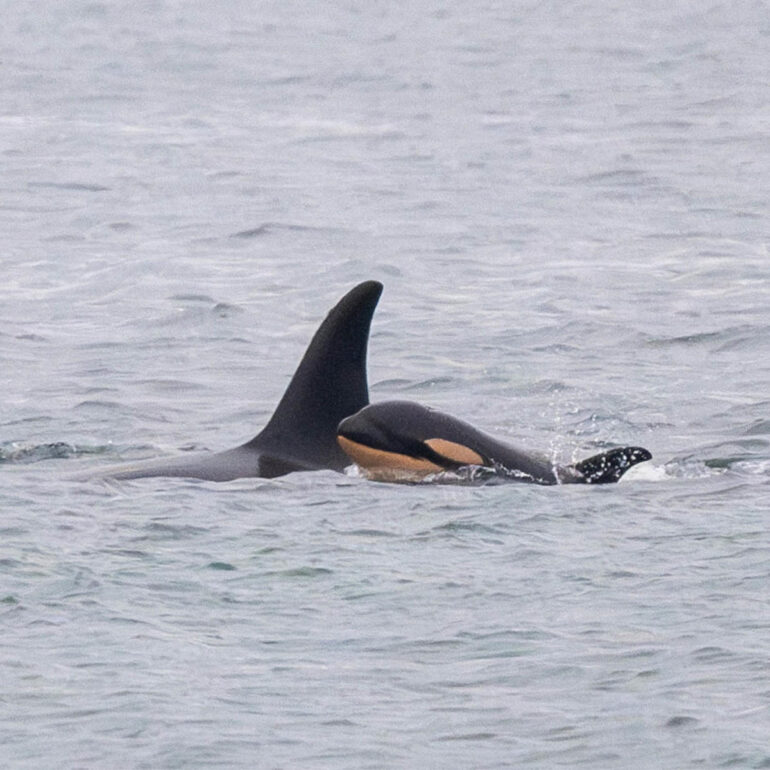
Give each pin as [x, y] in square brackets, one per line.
[329, 384]
[406, 441]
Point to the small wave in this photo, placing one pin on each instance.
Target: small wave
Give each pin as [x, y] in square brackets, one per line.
[752, 467]
[758, 428]
[455, 526]
[619, 176]
[722, 340]
[204, 298]
[253, 232]
[478, 475]
[432, 382]
[266, 228]
[685, 339]
[14, 453]
[76, 186]
[704, 467]
[689, 468]
[300, 572]
[21, 454]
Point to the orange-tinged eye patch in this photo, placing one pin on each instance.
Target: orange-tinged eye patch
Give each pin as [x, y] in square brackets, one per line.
[457, 453]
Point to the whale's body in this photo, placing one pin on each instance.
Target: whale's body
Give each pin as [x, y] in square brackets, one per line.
[405, 441]
[324, 420]
[329, 384]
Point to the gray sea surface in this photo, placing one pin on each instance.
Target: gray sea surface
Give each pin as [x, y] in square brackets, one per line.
[567, 204]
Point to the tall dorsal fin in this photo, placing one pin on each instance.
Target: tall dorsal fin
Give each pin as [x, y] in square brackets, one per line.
[330, 384]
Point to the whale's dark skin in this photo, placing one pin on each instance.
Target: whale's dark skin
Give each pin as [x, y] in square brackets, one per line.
[329, 384]
[405, 441]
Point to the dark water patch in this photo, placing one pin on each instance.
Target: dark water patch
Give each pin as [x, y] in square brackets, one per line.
[285, 80]
[274, 227]
[500, 652]
[623, 177]
[268, 549]
[514, 634]
[99, 404]
[76, 186]
[460, 526]
[687, 340]
[162, 385]
[376, 533]
[750, 339]
[748, 455]
[682, 721]
[221, 565]
[64, 238]
[365, 596]
[45, 623]
[641, 652]
[724, 463]
[712, 654]
[689, 467]
[621, 574]
[564, 733]
[226, 310]
[37, 420]
[157, 531]
[253, 232]
[175, 586]
[131, 553]
[745, 337]
[340, 723]
[758, 428]
[422, 646]
[118, 344]
[730, 453]
[203, 298]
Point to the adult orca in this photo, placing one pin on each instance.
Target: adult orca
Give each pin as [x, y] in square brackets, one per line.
[405, 441]
[329, 384]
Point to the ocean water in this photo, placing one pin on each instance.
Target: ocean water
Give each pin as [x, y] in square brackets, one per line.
[567, 204]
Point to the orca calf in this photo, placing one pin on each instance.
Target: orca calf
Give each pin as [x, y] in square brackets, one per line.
[405, 441]
[329, 384]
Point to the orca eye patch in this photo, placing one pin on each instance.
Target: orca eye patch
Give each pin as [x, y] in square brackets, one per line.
[456, 453]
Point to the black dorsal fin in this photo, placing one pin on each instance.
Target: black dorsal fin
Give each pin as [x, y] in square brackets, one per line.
[330, 384]
[608, 467]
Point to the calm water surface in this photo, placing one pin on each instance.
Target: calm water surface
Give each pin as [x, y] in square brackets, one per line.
[567, 204]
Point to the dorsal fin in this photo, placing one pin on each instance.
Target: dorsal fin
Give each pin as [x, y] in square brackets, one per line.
[330, 384]
[608, 467]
